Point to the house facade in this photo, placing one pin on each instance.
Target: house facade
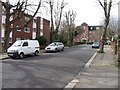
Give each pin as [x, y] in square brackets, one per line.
[90, 33]
[23, 33]
[46, 30]
[36, 27]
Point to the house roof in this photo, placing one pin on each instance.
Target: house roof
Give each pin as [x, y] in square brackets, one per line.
[84, 24]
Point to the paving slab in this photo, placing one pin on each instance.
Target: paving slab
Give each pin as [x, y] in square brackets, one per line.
[102, 72]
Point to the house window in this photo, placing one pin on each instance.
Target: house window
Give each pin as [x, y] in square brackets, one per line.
[2, 39]
[18, 28]
[11, 25]
[97, 28]
[10, 40]
[41, 32]
[27, 18]
[84, 27]
[34, 29]
[91, 28]
[26, 29]
[18, 39]
[34, 21]
[41, 21]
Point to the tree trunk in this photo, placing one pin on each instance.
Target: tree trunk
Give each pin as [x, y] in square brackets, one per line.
[107, 8]
[7, 28]
[102, 42]
[6, 41]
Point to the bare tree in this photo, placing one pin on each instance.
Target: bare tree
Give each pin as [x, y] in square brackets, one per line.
[113, 27]
[70, 21]
[58, 16]
[18, 9]
[107, 8]
[57, 12]
[51, 4]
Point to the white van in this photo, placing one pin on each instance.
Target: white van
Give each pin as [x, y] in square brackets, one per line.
[23, 47]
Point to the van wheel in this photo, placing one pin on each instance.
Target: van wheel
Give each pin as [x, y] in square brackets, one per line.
[11, 57]
[36, 53]
[21, 55]
[56, 50]
[63, 49]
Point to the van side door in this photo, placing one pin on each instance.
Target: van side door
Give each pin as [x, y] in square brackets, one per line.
[25, 48]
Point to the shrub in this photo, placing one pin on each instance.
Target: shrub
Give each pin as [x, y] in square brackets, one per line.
[81, 42]
[42, 40]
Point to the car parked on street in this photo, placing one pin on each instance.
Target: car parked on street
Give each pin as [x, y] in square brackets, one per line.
[95, 45]
[23, 47]
[55, 46]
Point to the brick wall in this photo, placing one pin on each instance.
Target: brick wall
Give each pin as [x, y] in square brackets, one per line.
[22, 34]
[38, 26]
[46, 30]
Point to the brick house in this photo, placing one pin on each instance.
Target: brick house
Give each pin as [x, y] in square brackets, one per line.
[90, 33]
[24, 33]
[46, 30]
[95, 33]
[37, 27]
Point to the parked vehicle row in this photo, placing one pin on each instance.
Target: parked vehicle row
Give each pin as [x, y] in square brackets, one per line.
[26, 47]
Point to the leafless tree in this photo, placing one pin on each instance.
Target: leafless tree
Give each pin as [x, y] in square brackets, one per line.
[51, 4]
[19, 8]
[107, 8]
[57, 13]
[70, 21]
[113, 27]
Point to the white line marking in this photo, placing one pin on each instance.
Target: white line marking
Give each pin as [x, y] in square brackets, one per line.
[71, 84]
[90, 61]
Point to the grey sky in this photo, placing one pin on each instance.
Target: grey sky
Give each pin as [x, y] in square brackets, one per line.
[88, 11]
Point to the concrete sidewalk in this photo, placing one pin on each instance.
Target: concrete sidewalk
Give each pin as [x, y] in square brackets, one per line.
[4, 56]
[102, 72]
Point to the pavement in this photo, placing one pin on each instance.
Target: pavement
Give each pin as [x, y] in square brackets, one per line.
[100, 72]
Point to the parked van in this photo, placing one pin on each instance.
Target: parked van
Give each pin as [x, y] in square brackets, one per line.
[23, 47]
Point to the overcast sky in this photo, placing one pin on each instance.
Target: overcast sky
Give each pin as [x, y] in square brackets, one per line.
[88, 11]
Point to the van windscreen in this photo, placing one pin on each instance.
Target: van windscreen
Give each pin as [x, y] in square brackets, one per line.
[17, 44]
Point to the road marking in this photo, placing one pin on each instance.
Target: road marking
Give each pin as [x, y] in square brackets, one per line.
[90, 61]
[71, 84]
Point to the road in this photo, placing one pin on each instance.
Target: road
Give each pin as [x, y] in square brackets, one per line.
[48, 70]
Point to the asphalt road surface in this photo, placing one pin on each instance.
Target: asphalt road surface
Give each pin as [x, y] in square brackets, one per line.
[48, 70]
